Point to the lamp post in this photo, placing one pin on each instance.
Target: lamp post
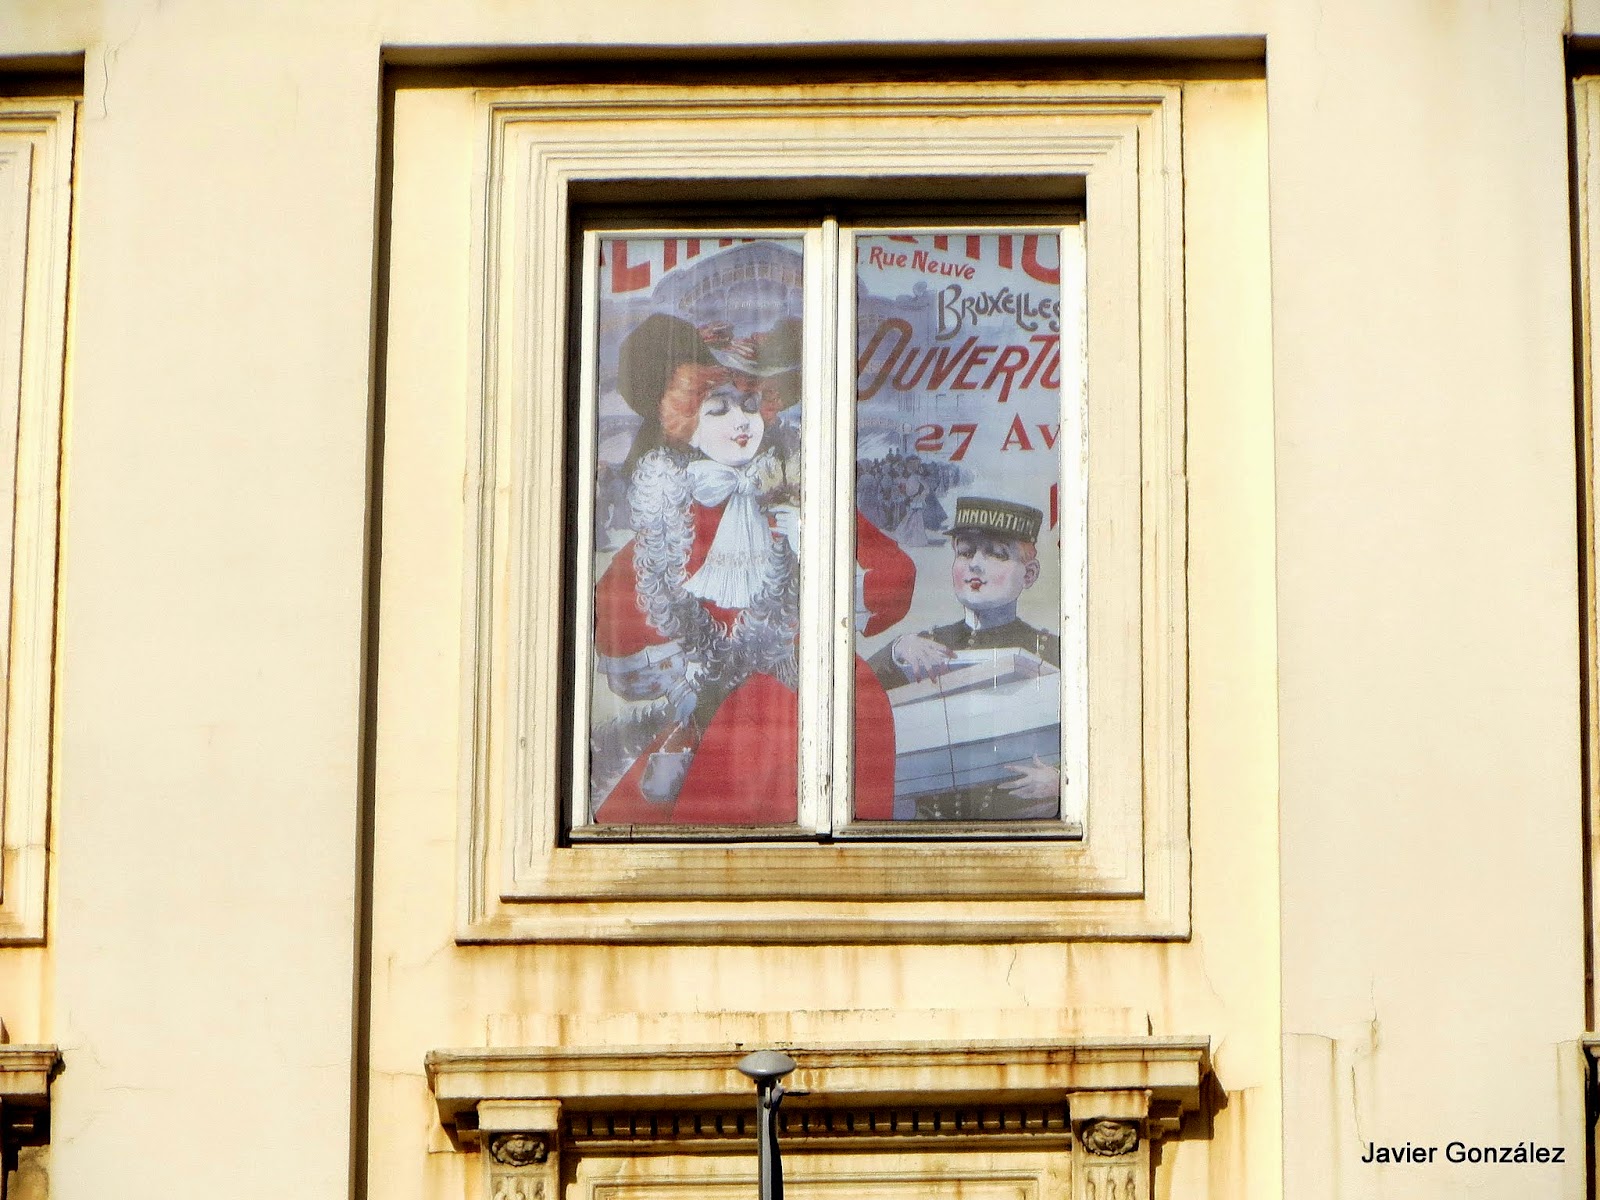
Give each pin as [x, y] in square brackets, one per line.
[767, 1068]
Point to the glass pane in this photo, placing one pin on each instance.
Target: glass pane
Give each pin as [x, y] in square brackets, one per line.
[959, 451]
[694, 718]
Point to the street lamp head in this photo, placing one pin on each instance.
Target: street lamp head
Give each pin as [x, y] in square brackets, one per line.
[766, 1066]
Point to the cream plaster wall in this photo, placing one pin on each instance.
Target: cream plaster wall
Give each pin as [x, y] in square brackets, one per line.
[430, 993]
[1427, 593]
[1426, 615]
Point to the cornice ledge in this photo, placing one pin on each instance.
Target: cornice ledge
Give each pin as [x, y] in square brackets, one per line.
[25, 1074]
[646, 101]
[1170, 1070]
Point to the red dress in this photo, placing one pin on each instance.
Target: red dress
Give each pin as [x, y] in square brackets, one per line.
[745, 769]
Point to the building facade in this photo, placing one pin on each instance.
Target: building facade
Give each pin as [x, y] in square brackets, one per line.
[318, 345]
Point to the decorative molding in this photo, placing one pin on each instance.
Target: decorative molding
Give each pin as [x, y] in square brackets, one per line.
[1110, 1138]
[675, 1093]
[519, 1149]
[36, 139]
[1128, 877]
[970, 1126]
[1083, 1111]
[26, 1072]
[516, 1187]
[522, 1159]
[1111, 1154]
[1121, 1182]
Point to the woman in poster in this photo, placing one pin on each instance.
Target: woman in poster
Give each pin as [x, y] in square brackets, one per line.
[702, 607]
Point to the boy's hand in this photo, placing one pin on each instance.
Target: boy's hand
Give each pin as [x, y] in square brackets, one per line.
[921, 658]
[1035, 781]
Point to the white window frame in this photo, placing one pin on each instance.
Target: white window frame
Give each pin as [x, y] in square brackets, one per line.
[36, 139]
[1129, 875]
[826, 791]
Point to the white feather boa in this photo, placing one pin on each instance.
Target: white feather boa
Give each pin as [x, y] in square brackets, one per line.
[763, 635]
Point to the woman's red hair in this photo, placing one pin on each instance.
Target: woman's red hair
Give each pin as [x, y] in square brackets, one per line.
[691, 383]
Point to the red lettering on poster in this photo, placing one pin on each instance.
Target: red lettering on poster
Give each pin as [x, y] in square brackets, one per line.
[930, 439]
[905, 378]
[891, 358]
[1052, 372]
[966, 430]
[944, 368]
[1017, 436]
[978, 358]
[626, 278]
[901, 329]
[1048, 342]
[1032, 265]
[1012, 359]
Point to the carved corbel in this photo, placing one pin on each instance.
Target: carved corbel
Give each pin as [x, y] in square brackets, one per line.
[1111, 1136]
[521, 1149]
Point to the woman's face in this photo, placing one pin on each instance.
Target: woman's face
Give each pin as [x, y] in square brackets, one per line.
[730, 425]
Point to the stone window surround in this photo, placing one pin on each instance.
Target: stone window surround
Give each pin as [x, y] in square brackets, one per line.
[1129, 876]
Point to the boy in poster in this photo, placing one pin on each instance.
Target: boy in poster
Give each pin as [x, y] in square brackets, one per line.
[994, 560]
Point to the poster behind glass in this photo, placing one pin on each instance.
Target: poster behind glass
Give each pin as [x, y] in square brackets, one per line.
[693, 717]
[969, 471]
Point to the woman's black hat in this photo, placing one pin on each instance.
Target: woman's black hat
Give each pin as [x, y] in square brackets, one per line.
[661, 343]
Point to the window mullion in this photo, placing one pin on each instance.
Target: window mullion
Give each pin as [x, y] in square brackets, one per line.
[842, 427]
[819, 641]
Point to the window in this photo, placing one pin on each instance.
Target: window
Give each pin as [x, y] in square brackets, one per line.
[590, 807]
[747, 495]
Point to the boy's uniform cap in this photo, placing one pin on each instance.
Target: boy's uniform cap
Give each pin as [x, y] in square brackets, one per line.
[1000, 518]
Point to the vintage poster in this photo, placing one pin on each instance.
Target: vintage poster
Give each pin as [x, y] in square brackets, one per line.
[694, 713]
[969, 515]
[970, 462]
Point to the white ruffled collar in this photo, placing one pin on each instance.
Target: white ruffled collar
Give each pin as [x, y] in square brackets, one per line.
[736, 565]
